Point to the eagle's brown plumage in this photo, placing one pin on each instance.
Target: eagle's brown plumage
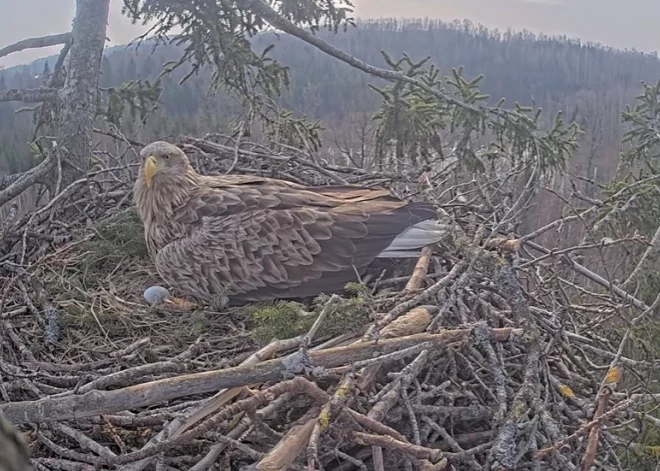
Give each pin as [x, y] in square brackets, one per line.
[14, 454]
[253, 238]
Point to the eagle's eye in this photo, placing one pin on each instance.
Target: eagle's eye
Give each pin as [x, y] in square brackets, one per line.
[167, 157]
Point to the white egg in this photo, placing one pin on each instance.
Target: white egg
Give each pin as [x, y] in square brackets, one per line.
[155, 294]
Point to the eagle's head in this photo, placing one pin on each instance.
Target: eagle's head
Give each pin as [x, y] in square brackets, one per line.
[162, 162]
[165, 181]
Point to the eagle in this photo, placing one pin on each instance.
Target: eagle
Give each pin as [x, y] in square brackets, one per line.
[245, 238]
[14, 453]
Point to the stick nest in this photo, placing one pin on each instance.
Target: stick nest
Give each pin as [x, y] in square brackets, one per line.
[493, 355]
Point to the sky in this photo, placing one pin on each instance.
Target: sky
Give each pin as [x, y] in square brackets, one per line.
[618, 23]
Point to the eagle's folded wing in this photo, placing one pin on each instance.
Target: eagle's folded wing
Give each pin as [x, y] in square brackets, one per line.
[259, 241]
[213, 181]
[14, 453]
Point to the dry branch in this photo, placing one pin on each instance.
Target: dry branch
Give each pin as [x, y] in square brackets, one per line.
[146, 394]
[588, 426]
[13, 185]
[35, 43]
[421, 268]
[502, 243]
[29, 95]
[592, 442]
[226, 395]
[390, 442]
[598, 279]
[286, 451]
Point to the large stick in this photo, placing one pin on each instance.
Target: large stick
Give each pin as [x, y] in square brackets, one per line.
[146, 394]
[35, 43]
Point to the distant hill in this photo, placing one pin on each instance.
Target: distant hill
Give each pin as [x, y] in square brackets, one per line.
[587, 81]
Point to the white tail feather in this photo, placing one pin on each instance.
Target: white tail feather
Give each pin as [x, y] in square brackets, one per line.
[410, 242]
[400, 254]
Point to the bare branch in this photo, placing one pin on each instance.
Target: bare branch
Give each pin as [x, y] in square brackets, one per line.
[597, 279]
[35, 43]
[646, 264]
[29, 95]
[131, 397]
[13, 185]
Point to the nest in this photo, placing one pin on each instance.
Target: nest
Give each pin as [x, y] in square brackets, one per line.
[487, 354]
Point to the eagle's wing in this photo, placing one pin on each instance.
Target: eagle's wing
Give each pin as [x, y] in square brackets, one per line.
[257, 241]
[350, 193]
[14, 453]
[217, 181]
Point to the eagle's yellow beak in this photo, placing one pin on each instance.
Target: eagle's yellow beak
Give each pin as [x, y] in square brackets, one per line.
[150, 169]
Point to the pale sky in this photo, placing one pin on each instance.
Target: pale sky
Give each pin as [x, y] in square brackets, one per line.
[618, 23]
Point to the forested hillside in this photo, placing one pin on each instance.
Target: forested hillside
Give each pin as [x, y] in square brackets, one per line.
[586, 81]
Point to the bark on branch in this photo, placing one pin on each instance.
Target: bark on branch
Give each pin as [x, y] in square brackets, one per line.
[13, 185]
[35, 43]
[29, 95]
[146, 394]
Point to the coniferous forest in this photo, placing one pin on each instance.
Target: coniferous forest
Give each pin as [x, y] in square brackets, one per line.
[590, 83]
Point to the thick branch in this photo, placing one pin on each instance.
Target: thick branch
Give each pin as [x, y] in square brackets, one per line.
[29, 95]
[35, 43]
[146, 394]
[13, 185]
[7, 180]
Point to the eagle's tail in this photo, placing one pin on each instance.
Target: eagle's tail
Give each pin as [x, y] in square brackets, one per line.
[410, 242]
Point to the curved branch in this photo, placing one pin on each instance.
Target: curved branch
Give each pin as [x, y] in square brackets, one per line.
[29, 95]
[35, 43]
[281, 23]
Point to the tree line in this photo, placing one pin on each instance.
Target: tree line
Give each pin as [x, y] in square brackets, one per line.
[588, 82]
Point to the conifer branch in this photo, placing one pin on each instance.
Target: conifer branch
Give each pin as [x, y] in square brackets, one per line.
[261, 8]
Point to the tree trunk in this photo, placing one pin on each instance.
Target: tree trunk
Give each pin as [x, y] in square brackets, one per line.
[79, 95]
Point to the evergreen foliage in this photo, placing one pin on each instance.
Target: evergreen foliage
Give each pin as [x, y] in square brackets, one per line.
[287, 319]
[555, 74]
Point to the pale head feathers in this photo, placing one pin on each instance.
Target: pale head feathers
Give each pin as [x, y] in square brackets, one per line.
[162, 161]
[164, 181]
